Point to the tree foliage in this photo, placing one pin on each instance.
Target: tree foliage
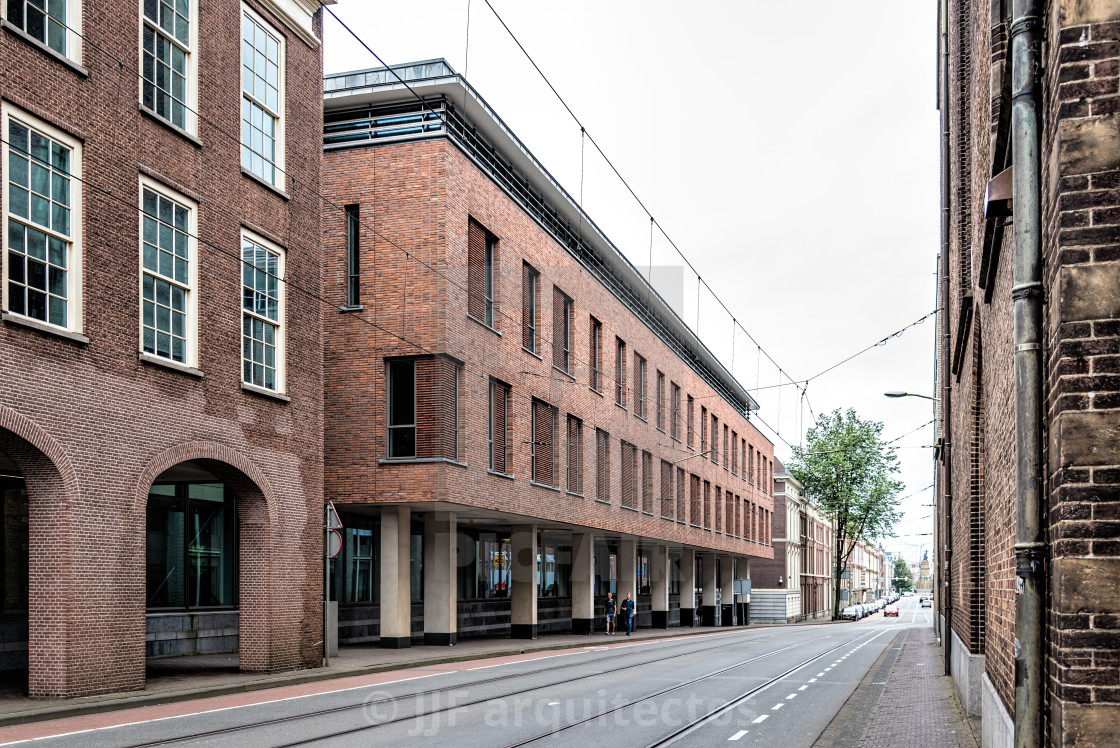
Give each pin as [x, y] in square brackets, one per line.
[849, 472]
[903, 577]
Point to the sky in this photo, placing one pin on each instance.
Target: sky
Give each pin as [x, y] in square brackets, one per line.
[789, 151]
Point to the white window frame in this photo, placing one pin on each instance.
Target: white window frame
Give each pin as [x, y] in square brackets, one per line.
[190, 120]
[191, 331]
[279, 162]
[281, 312]
[74, 273]
[72, 30]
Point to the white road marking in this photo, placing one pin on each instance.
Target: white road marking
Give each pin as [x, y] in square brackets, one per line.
[820, 675]
[738, 735]
[791, 696]
[802, 688]
[760, 718]
[777, 706]
[814, 680]
[827, 669]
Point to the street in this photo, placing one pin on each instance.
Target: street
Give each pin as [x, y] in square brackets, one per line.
[778, 686]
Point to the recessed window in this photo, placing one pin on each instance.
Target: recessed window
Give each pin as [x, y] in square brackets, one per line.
[482, 249]
[262, 102]
[54, 23]
[660, 401]
[647, 482]
[639, 386]
[602, 465]
[401, 421]
[688, 417]
[575, 455]
[530, 296]
[620, 372]
[499, 434]
[561, 330]
[168, 81]
[353, 261]
[595, 354]
[262, 313]
[666, 489]
[191, 551]
[544, 447]
[168, 272]
[628, 475]
[42, 220]
[675, 412]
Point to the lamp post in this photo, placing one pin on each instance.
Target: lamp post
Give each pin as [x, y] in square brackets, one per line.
[900, 393]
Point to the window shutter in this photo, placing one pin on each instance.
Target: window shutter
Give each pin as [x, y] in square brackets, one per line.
[647, 482]
[628, 498]
[542, 436]
[717, 518]
[559, 335]
[476, 270]
[680, 495]
[666, 489]
[498, 424]
[527, 293]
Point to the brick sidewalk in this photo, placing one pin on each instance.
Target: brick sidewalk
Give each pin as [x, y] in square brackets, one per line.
[919, 706]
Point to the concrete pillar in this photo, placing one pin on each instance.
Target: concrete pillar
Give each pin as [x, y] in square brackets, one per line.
[440, 592]
[396, 595]
[627, 569]
[727, 590]
[659, 585]
[523, 600]
[688, 588]
[583, 583]
[709, 610]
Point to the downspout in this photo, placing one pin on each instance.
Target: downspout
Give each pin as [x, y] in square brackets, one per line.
[946, 351]
[1026, 293]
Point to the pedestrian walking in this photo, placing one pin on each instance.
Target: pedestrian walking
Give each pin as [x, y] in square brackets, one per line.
[627, 612]
[608, 613]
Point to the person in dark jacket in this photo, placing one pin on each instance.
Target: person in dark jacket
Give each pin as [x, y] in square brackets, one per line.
[609, 613]
[626, 610]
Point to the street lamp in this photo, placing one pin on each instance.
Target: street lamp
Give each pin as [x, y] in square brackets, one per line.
[900, 393]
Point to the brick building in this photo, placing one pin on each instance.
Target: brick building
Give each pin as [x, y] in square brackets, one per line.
[1028, 506]
[161, 406]
[518, 424]
[796, 584]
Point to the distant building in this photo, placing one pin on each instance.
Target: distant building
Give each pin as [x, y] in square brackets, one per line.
[794, 585]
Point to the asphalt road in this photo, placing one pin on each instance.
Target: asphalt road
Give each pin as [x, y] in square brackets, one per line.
[778, 686]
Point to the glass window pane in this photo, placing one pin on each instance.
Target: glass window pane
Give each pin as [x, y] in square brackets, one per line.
[402, 392]
[165, 549]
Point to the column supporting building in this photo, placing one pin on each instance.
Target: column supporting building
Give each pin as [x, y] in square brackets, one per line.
[523, 598]
[583, 583]
[709, 611]
[688, 587]
[396, 594]
[440, 557]
[727, 591]
[659, 585]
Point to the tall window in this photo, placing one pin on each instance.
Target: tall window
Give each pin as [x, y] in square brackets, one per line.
[191, 552]
[262, 105]
[628, 475]
[168, 276]
[42, 215]
[680, 495]
[660, 401]
[46, 23]
[262, 267]
[602, 466]
[353, 262]
[666, 489]
[703, 430]
[499, 428]
[595, 355]
[750, 465]
[639, 386]
[734, 453]
[561, 330]
[530, 295]
[620, 372]
[647, 482]
[691, 409]
[575, 455]
[355, 574]
[707, 505]
[544, 447]
[696, 506]
[675, 411]
[715, 439]
[481, 256]
[401, 421]
[167, 41]
[726, 446]
[717, 520]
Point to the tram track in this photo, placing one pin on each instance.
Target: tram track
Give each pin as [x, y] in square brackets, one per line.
[432, 692]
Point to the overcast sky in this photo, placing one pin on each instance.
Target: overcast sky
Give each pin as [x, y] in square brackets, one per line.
[789, 150]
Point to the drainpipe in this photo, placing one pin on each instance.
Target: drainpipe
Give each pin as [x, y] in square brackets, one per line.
[1026, 293]
[946, 351]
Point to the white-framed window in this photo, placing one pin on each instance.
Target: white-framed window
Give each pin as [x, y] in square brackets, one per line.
[56, 24]
[42, 220]
[262, 313]
[262, 99]
[168, 38]
[168, 274]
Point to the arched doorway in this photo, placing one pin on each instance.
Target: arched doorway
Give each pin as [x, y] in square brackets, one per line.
[14, 575]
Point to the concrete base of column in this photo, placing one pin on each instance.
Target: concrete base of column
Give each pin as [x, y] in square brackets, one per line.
[523, 631]
[441, 640]
[583, 625]
[660, 619]
[708, 615]
[395, 642]
[688, 617]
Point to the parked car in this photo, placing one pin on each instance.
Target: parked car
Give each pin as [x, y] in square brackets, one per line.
[925, 602]
[851, 613]
[891, 610]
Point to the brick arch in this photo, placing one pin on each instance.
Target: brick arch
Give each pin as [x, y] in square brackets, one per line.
[30, 432]
[204, 452]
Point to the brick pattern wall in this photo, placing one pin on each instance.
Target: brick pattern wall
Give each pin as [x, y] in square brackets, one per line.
[117, 416]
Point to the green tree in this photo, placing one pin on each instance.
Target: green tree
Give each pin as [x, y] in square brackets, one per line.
[849, 472]
[903, 577]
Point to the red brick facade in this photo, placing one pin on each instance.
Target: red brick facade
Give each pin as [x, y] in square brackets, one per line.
[1080, 235]
[89, 423]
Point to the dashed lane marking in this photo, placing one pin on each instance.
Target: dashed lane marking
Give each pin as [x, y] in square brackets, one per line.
[761, 718]
[803, 688]
[777, 706]
[738, 735]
